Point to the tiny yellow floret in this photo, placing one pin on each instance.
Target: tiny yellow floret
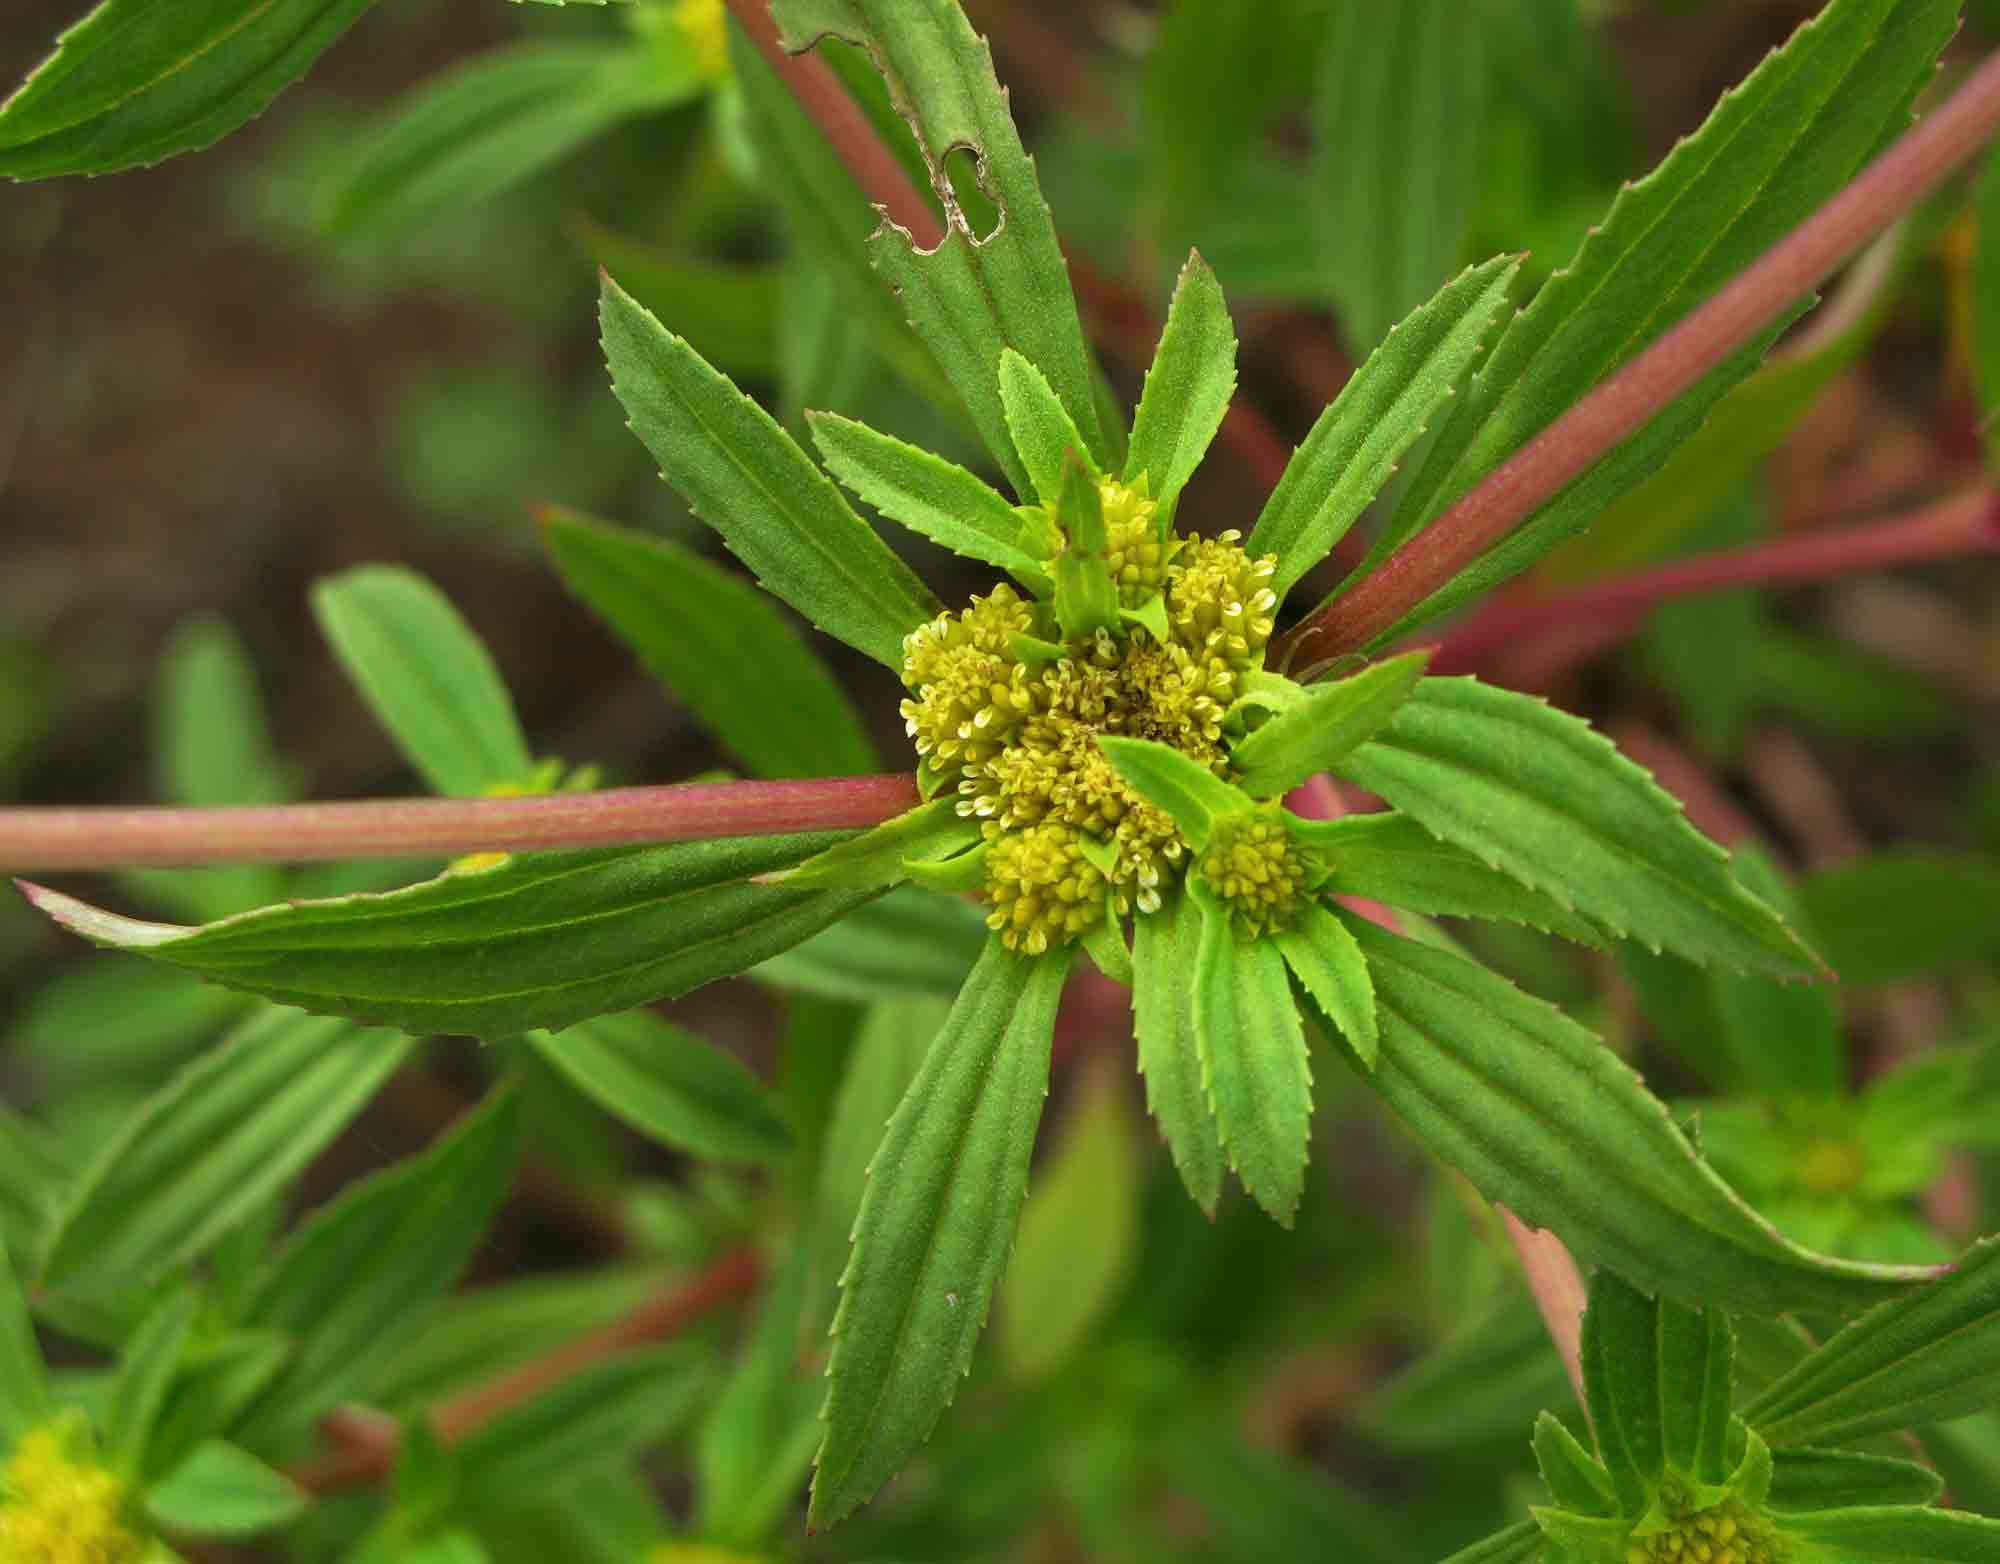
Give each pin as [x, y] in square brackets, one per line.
[1725, 1533]
[1044, 891]
[57, 1507]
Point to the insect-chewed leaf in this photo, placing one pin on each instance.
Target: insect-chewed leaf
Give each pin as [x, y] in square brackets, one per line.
[426, 676]
[227, 1132]
[1317, 732]
[748, 479]
[1542, 1117]
[716, 642]
[944, 1192]
[1545, 797]
[541, 940]
[1164, 947]
[135, 81]
[1188, 387]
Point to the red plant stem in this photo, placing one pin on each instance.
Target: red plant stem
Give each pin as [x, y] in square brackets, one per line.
[1557, 1286]
[1622, 404]
[369, 1444]
[114, 837]
[847, 130]
[1965, 523]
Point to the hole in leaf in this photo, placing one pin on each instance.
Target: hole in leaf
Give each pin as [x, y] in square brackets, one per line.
[961, 167]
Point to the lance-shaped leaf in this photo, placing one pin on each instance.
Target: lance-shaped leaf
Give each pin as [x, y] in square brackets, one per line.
[909, 943]
[353, 1285]
[1380, 413]
[934, 498]
[1316, 733]
[1165, 945]
[1830, 1479]
[222, 1490]
[24, 1387]
[1771, 152]
[492, 122]
[717, 643]
[135, 81]
[1325, 959]
[1545, 1119]
[542, 940]
[1484, 1381]
[669, 1086]
[970, 297]
[1253, 1058]
[1522, 1543]
[1545, 797]
[1042, 430]
[1390, 858]
[878, 857]
[1186, 789]
[146, 1370]
[1927, 1358]
[1896, 1534]
[426, 676]
[1086, 597]
[749, 480]
[1188, 386]
[225, 1134]
[944, 1192]
[753, 1450]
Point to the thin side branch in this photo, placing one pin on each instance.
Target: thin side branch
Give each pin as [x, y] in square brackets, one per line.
[113, 837]
[1626, 401]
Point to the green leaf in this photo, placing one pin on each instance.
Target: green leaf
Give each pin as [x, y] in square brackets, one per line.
[210, 740]
[1657, 1376]
[1543, 796]
[1315, 733]
[218, 1381]
[222, 1490]
[1206, 98]
[1390, 858]
[1924, 1358]
[1079, 1233]
[1783, 1037]
[1771, 152]
[354, 1283]
[935, 1226]
[718, 644]
[1896, 1534]
[1485, 1381]
[1165, 945]
[24, 1388]
[146, 1371]
[669, 1086]
[911, 942]
[1521, 1543]
[1040, 426]
[970, 297]
[877, 858]
[934, 498]
[1576, 1480]
[1826, 1479]
[1188, 386]
[1086, 598]
[730, 314]
[224, 1135]
[1380, 413]
[1546, 1120]
[1254, 1064]
[598, 1416]
[426, 676]
[1323, 955]
[1266, 1509]
[1891, 916]
[749, 480]
[488, 124]
[135, 82]
[542, 940]
[1195, 796]
[887, 1053]
[35, 1171]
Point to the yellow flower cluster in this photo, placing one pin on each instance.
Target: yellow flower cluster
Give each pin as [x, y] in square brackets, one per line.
[1727, 1533]
[1014, 728]
[57, 1509]
[1257, 871]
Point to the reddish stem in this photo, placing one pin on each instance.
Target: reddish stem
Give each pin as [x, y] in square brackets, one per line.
[1622, 404]
[1965, 523]
[369, 1442]
[115, 837]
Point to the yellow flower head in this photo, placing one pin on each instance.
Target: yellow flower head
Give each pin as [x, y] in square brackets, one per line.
[1726, 1533]
[1257, 870]
[57, 1507]
[704, 25]
[1044, 891]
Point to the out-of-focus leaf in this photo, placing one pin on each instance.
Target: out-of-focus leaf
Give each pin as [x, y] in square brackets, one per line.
[1396, 172]
[135, 81]
[24, 1385]
[541, 940]
[728, 314]
[718, 644]
[669, 1085]
[426, 676]
[225, 1134]
[490, 123]
[1892, 916]
[34, 1174]
[748, 479]
[103, 1018]
[1079, 1233]
[1785, 1037]
[1847, 691]
[352, 1286]
[910, 942]
[1204, 99]
[935, 1225]
[219, 1379]
[1486, 1382]
[146, 1371]
[1518, 1544]
[754, 1448]
[222, 1490]
[210, 741]
[1272, 1512]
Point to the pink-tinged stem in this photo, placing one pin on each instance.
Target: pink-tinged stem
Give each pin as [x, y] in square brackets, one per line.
[1557, 1286]
[1318, 798]
[846, 127]
[1966, 523]
[1622, 404]
[112, 837]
